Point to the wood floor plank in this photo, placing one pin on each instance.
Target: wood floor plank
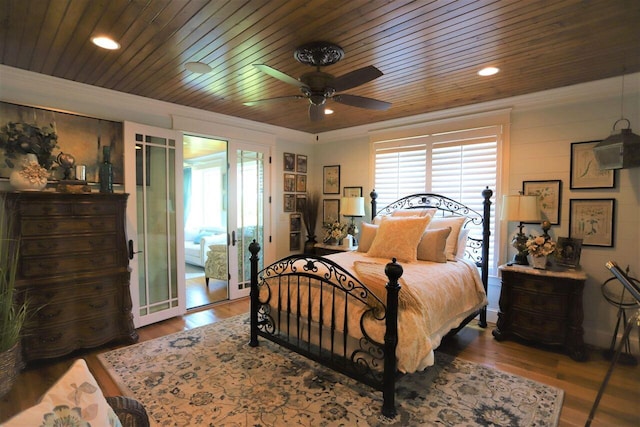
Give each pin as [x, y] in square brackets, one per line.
[580, 380]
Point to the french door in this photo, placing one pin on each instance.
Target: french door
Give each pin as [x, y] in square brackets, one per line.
[154, 222]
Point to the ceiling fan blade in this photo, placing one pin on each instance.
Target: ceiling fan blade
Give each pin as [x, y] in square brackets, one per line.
[355, 78]
[279, 75]
[272, 100]
[362, 102]
[316, 112]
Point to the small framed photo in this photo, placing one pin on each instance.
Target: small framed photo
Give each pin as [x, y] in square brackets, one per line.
[301, 163]
[289, 162]
[352, 191]
[295, 222]
[330, 210]
[301, 202]
[290, 182]
[294, 241]
[585, 171]
[289, 203]
[301, 183]
[568, 251]
[549, 196]
[592, 220]
[331, 179]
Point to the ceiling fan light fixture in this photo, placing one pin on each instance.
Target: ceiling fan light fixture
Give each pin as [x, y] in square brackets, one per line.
[488, 71]
[198, 67]
[105, 42]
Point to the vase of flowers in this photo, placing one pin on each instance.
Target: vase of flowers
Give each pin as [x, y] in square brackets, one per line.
[17, 139]
[32, 176]
[540, 247]
[334, 231]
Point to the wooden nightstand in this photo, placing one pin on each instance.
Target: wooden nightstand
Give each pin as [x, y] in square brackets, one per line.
[321, 249]
[543, 306]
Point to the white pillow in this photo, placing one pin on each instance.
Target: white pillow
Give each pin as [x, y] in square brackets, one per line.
[414, 212]
[367, 234]
[462, 242]
[455, 222]
[398, 237]
[75, 395]
[433, 244]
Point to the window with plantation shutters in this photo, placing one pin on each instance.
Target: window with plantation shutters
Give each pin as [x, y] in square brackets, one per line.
[458, 164]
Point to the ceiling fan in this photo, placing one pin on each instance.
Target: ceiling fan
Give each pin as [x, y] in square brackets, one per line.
[318, 86]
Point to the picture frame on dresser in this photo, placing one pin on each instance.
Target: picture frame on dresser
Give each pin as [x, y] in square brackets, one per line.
[549, 194]
[568, 252]
[593, 221]
[585, 172]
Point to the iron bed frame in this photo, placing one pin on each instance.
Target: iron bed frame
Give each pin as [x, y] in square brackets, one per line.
[372, 363]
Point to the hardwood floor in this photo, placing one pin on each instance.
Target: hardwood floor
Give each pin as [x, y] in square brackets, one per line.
[620, 405]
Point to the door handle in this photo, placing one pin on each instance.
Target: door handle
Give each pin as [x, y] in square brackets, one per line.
[233, 238]
[131, 251]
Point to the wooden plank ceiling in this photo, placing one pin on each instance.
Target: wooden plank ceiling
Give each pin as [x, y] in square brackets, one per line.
[429, 51]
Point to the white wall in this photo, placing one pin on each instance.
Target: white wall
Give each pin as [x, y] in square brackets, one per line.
[542, 129]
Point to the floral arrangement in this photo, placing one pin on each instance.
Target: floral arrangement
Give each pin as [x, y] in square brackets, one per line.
[335, 230]
[33, 172]
[540, 246]
[23, 138]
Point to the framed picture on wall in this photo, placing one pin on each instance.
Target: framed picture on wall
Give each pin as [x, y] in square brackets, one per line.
[592, 220]
[301, 183]
[352, 191]
[289, 182]
[549, 197]
[295, 222]
[330, 210]
[331, 179]
[289, 162]
[301, 163]
[301, 202]
[294, 241]
[289, 203]
[585, 171]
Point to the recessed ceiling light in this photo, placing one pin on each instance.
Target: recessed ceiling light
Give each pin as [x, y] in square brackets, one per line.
[488, 71]
[328, 111]
[198, 67]
[106, 43]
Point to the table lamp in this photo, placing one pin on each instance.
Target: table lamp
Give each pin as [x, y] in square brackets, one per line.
[352, 207]
[520, 208]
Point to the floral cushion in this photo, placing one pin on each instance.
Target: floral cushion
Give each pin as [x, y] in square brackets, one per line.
[74, 400]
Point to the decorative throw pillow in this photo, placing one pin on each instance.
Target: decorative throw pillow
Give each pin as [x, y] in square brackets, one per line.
[367, 234]
[433, 244]
[398, 237]
[75, 397]
[414, 212]
[455, 222]
[462, 242]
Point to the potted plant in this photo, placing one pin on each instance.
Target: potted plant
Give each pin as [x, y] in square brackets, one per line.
[309, 213]
[12, 314]
[17, 139]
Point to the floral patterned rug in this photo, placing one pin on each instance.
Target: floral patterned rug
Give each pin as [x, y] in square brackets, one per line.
[209, 376]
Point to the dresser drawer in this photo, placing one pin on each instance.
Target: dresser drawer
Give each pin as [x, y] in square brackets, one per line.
[66, 226]
[61, 245]
[540, 303]
[60, 310]
[32, 267]
[533, 326]
[45, 209]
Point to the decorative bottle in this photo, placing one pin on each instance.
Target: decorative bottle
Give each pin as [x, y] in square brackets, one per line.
[106, 171]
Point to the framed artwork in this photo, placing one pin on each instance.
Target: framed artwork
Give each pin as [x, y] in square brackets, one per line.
[301, 183]
[330, 210]
[301, 163]
[592, 220]
[290, 182]
[331, 179]
[289, 162]
[352, 191]
[585, 172]
[294, 241]
[295, 222]
[549, 195]
[289, 203]
[301, 202]
[568, 251]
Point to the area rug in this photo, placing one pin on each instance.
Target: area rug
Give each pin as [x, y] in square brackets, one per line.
[209, 376]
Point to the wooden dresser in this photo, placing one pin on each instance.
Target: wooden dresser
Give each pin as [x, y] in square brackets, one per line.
[543, 306]
[73, 269]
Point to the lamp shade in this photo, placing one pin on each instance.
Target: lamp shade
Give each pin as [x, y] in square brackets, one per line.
[352, 206]
[520, 208]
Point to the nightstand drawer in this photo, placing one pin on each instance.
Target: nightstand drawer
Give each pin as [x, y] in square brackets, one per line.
[542, 303]
[545, 329]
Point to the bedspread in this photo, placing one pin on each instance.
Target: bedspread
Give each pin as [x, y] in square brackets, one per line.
[434, 298]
